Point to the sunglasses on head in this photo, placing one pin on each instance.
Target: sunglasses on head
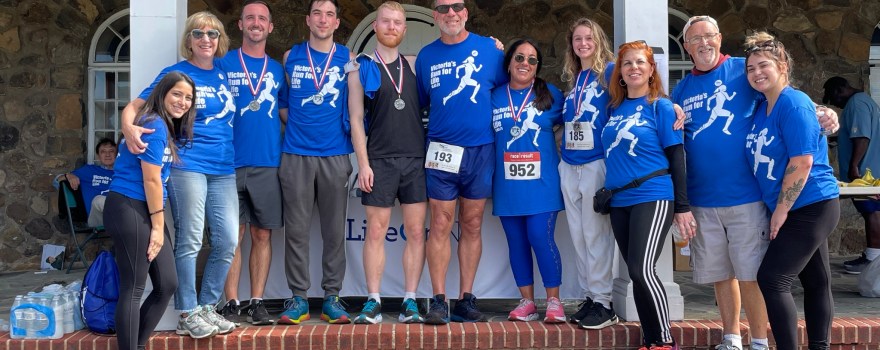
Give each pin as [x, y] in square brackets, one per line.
[198, 33]
[457, 7]
[519, 58]
[768, 45]
[640, 42]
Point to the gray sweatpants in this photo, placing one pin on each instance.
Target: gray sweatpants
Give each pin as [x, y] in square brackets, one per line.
[304, 181]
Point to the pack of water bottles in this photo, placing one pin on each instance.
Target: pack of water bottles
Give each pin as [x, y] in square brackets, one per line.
[49, 314]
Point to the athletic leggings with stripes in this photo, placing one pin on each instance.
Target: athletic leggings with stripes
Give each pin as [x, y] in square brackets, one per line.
[800, 250]
[128, 222]
[640, 231]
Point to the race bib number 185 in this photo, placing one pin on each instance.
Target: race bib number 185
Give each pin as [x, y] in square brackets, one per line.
[444, 157]
[578, 136]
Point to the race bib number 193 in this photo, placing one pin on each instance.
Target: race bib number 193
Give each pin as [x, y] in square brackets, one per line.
[444, 157]
[522, 165]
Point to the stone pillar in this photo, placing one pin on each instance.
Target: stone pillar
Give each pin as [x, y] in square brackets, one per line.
[648, 21]
[156, 29]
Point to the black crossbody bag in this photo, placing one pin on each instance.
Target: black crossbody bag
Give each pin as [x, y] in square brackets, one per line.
[602, 199]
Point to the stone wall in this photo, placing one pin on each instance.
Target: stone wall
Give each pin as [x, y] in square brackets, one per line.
[43, 78]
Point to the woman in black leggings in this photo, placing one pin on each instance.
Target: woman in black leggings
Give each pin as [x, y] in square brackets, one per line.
[134, 209]
[789, 158]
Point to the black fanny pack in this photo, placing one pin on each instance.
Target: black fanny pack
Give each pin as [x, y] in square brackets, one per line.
[602, 199]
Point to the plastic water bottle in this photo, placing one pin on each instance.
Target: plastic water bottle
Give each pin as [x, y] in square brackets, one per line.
[16, 319]
[57, 316]
[29, 317]
[77, 312]
[66, 299]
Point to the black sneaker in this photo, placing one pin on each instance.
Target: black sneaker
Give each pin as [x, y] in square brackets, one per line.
[257, 313]
[598, 317]
[466, 310]
[855, 266]
[231, 311]
[583, 308]
[438, 311]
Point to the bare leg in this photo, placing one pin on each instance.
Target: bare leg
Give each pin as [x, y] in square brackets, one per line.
[234, 275]
[260, 260]
[438, 245]
[553, 292]
[756, 310]
[728, 298]
[528, 292]
[374, 247]
[470, 248]
[414, 252]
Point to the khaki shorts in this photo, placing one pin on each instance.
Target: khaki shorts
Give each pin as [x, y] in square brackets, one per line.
[730, 242]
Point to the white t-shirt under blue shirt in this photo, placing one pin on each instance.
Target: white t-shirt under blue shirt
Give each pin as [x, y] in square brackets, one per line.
[790, 130]
[257, 134]
[526, 180]
[718, 107]
[457, 81]
[211, 151]
[635, 137]
[128, 180]
[317, 122]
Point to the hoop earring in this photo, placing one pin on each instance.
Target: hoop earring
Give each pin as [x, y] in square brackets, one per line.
[621, 82]
[650, 80]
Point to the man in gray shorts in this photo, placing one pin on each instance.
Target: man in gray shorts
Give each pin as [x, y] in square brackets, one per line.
[391, 158]
[261, 98]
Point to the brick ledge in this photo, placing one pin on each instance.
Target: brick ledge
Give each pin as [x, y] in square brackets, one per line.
[851, 333]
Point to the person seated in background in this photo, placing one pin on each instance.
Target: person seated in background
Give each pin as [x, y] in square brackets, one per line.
[95, 180]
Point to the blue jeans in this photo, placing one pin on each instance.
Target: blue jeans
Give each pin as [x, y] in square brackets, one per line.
[193, 196]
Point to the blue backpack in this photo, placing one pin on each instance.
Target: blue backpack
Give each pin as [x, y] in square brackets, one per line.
[100, 292]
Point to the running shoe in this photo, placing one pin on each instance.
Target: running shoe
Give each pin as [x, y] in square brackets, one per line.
[555, 311]
[599, 317]
[409, 312]
[466, 310]
[583, 308]
[296, 310]
[525, 311]
[333, 312]
[257, 313]
[371, 313]
[438, 313]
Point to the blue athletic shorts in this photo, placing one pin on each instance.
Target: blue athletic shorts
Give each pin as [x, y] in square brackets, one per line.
[867, 205]
[474, 178]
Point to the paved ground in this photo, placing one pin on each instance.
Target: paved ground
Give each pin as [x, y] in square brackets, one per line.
[699, 299]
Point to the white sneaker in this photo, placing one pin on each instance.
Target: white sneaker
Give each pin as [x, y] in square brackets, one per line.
[196, 325]
[224, 326]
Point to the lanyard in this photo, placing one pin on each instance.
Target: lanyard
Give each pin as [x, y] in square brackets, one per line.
[253, 89]
[318, 84]
[577, 106]
[522, 106]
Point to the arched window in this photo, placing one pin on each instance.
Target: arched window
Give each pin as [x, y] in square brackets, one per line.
[679, 62]
[109, 80]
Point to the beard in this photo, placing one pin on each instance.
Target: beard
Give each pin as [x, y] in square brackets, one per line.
[389, 41]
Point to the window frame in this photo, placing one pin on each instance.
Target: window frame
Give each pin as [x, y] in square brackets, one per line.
[116, 67]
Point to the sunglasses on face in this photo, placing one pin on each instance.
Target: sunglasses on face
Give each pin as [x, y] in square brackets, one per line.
[198, 33]
[519, 58]
[457, 7]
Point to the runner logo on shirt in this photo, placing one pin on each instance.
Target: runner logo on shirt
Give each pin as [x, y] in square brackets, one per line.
[528, 124]
[328, 88]
[468, 66]
[623, 132]
[759, 141]
[225, 96]
[587, 105]
[720, 96]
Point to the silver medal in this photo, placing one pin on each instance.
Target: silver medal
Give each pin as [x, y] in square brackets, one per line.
[399, 104]
[319, 99]
[254, 106]
[514, 131]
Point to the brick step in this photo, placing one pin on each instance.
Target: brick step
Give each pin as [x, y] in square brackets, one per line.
[850, 333]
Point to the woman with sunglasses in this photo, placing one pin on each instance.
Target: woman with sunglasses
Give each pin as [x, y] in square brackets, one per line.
[135, 207]
[789, 158]
[525, 191]
[587, 67]
[645, 162]
[202, 183]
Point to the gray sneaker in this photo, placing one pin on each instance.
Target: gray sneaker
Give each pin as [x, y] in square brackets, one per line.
[223, 325]
[855, 266]
[756, 346]
[196, 325]
[727, 345]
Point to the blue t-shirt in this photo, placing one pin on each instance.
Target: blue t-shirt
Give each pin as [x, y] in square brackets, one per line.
[129, 177]
[526, 179]
[93, 180]
[718, 107]
[589, 97]
[790, 130]
[257, 134]
[634, 139]
[861, 118]
[457, 81]
[211, 151]
[317, 125]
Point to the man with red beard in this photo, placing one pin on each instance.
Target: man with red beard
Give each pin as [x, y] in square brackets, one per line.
[391, 157]
[257, 83]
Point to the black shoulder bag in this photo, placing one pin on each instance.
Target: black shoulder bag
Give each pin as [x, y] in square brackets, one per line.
[602, 199]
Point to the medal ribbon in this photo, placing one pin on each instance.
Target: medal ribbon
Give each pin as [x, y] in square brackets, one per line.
[577, 106]
[397, 87]
[522, 106]
[254, 90]
[318, 84]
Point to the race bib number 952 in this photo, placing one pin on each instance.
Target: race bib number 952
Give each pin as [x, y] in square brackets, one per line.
[522, 165]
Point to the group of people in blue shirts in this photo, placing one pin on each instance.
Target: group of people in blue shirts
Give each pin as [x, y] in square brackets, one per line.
[207, 135]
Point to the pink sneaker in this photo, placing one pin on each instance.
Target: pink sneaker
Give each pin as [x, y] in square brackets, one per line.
[525, 311]
[555, 311]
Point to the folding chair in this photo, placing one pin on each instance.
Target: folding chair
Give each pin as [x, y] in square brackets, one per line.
[75, 213]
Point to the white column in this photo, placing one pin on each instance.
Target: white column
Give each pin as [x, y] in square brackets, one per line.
[645, 20]
[156, 28]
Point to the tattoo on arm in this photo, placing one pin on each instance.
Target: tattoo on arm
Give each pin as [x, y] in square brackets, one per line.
[789, 195]
[791, 169]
